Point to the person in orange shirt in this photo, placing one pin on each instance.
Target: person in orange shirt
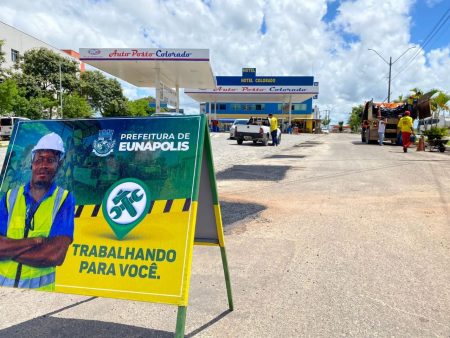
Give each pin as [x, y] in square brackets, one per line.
[406, 127]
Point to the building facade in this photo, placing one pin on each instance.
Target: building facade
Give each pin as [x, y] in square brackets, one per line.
[16, 43]
[289, 98]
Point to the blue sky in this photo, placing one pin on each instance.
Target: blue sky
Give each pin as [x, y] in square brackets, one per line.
[429, 19]
[426, 17]
[326, 39]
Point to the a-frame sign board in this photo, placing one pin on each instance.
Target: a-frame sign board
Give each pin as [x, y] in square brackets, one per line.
[133, 195]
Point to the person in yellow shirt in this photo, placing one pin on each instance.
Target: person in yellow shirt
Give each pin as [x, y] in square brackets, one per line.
[405, 124]
[273, 129]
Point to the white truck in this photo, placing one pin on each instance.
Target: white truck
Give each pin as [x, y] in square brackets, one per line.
[256, 130]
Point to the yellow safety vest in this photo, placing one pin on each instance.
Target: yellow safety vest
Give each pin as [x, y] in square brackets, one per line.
[22, 275]
[273, 123]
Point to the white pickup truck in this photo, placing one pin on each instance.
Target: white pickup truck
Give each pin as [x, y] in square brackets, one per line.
[256, 130]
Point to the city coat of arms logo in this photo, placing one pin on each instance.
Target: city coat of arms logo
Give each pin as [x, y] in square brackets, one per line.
[104, 144]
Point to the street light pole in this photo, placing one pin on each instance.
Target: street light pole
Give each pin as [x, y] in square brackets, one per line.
[389, 83]
[390, 63]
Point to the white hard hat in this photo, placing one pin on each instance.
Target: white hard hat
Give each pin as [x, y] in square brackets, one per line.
[50, 141]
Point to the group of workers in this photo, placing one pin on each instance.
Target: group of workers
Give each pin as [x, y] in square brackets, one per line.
[404, 130]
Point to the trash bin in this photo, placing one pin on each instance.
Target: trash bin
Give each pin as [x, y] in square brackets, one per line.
[295, 130]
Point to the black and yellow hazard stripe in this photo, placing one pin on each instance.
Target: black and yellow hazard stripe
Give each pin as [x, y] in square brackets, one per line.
[156, 207]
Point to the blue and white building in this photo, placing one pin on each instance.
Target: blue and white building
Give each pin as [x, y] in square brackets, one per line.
[289, 98]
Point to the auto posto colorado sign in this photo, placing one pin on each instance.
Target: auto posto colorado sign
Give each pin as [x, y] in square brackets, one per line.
[144, 54]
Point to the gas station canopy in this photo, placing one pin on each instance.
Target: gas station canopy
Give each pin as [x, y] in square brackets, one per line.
[273, 94]
[146, 67]
[252, 88]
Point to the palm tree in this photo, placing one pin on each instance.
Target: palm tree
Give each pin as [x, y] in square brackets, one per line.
[441, 104]
[399, 99]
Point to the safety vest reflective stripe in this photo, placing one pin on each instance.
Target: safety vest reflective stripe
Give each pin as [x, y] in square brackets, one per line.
[11, 201]
[58, 198]
[31, 283]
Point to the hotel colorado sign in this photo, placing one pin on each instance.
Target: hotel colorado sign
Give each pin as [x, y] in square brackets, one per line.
[143, 54]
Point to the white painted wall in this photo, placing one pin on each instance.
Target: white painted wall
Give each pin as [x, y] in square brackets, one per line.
[15, 39]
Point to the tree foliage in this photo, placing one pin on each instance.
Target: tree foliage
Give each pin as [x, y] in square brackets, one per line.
[440, 102]
[326, 121]
[105, 95]
[41, 76]
[8, 96]
[49, 69]
[76, 106]
[140, 107]
[354, 121]
[33, 108]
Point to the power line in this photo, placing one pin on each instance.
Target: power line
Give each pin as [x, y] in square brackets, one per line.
[437, 27]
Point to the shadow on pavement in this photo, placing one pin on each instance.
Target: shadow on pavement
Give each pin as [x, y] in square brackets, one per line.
[250, 143]
[307, 144]
[65, 328]
[254, 172]
[234, 212]
[286, 156]
[208, 324]
[388, 144]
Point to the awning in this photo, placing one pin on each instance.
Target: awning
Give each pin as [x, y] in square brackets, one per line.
[263, 94]
[182, 68]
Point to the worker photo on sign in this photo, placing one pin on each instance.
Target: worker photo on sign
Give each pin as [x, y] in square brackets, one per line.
[36, 218]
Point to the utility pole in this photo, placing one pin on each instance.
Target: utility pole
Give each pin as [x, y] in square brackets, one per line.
[390, 63]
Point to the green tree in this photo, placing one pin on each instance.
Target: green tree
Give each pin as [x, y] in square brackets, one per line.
[441, 104]
[354, 120]
[105, 95]
[33, 108]
[76, 106]
[139, 107]
[325, 122]
[44, 65]
[116, 107]
[8, 96]
[43, 75]
[400, 99]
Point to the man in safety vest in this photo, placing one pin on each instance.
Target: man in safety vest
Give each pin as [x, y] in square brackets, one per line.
[273, 129]
[406, 127]
[36, 222]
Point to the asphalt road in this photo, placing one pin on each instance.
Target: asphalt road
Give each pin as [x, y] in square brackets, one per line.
[325, 237]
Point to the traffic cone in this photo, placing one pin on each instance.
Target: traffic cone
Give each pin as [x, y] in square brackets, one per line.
[421, 144]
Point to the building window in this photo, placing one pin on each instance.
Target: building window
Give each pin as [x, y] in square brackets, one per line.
[14, 55]
[299, 106]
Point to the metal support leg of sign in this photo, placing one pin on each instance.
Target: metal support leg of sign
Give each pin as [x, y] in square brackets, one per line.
[181, 315]
[181, 322]
[227, 277]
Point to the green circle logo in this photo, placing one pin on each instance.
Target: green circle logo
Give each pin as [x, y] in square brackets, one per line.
[125, 205]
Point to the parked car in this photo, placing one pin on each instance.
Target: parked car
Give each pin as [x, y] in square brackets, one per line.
[7, 124]
[256, 130]
[233, 127]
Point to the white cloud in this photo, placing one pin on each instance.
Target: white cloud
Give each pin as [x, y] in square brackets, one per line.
[297, 41]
